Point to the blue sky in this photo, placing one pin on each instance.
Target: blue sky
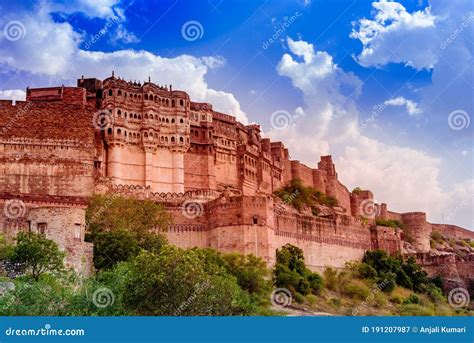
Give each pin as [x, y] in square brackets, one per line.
[310, 72]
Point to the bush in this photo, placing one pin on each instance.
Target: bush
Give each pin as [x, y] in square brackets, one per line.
[175, 282]
[330, 278]
[290, 272]
[356, 290]
[412, 299]
[299, 298]
[298, 195]
[415, 310]
[311, 299]
[366, 271]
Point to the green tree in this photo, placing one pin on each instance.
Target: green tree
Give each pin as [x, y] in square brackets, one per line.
[37, 255]
[175, 282]
[120, 227]
[291, 272]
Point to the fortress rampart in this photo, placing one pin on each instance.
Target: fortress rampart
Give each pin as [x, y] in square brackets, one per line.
[216, 176]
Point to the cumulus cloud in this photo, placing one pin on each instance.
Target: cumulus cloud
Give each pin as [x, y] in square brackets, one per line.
[394, 35]
[51, 49]
[411, 106]
[13, 94]
[405, 178]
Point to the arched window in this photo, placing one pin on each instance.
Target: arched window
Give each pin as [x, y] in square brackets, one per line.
[181, 140]
[172, 121]
[173, 103]
[146, 96]
[119, 112]
[181, 121]
[167, 120]
[181, 103]
[146, 116]
[146, 135]
[125, 115]
[109, 131]
[139, 117]
[156, 97]
[119, 92]
[172, 139]
[110, 92]
[167, 102]
[119, 131]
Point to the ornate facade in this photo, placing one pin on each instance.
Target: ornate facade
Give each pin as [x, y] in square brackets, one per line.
[215, 175]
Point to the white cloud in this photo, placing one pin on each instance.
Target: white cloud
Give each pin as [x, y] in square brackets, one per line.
[13, 94]
[411, 106]
[394, 35]
[405, 178]
[51, 49]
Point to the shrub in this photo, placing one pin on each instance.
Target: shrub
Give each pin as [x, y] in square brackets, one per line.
[175, 282]
[356, 290]
[290, 272]
[437, 236]
[311, 299]
[299, 298]
[366, 271]
[299, 195]
[251, 273]
[412, 299]
[330, 278]
[415, 310]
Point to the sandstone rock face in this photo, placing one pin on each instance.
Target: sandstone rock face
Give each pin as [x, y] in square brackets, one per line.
[215, 175]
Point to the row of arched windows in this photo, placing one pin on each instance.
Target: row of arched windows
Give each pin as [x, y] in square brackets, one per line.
[151, 97]
[146, 116]
[163, 139]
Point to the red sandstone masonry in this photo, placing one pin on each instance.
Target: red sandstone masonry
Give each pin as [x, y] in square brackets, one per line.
[164, 147]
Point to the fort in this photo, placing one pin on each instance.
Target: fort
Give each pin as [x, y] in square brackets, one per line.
[215, 175]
